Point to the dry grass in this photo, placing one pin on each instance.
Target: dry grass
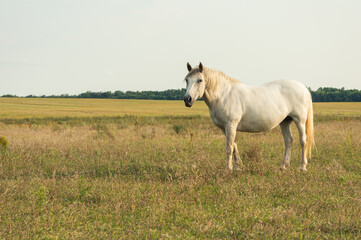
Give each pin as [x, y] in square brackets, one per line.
[163, 177]
[59, 107]
[11, 108]
[338, 108]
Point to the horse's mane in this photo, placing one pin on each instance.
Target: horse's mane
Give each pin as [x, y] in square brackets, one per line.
[214, 77]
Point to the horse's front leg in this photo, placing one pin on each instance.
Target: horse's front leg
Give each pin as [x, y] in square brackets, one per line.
[230, 131]
[237, 158]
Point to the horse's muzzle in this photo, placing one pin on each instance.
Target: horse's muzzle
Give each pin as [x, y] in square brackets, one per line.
[188, 101]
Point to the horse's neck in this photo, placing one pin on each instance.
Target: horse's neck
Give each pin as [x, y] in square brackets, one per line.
[216, 92]
[209, 98]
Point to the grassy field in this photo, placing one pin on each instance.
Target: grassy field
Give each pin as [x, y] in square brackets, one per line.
[60, 107]
[127, 169]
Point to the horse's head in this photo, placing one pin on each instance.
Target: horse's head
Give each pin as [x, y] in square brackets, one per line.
[195, 84]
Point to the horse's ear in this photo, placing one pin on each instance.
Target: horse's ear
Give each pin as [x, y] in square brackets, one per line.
[200, 67]
[189, 67]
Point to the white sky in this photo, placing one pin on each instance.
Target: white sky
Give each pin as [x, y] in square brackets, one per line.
[72, 46]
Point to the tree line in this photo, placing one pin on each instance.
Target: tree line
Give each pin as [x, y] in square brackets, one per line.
[326, 94]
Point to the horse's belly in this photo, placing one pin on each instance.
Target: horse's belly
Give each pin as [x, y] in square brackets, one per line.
[257, 125]
[251, 128]
[250, 122]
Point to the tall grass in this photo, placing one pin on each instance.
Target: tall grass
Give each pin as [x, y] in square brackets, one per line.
[158, 177]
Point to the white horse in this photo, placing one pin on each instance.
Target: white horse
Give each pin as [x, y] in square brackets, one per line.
[236, 107]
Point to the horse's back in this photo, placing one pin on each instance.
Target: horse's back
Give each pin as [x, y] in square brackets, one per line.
[287, 92]
[287, 87]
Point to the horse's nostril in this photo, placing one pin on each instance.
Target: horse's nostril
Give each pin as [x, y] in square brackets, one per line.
[187, 99]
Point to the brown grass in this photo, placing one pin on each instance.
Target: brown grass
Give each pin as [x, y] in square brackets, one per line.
[138, 177]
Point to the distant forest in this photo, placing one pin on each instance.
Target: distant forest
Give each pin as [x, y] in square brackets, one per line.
[325, 94]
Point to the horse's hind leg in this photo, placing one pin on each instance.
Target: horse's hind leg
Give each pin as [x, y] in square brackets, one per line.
[288, 139]
[301, 126]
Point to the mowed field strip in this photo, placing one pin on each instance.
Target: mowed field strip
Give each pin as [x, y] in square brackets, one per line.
[60, 107]
[141, 169]
[40, 107]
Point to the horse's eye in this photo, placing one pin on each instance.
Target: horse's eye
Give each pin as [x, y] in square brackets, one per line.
[199, 80]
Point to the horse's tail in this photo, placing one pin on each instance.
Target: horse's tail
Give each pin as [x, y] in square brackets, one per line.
[309, 131]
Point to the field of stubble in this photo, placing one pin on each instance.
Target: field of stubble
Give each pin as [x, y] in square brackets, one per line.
[128, 169]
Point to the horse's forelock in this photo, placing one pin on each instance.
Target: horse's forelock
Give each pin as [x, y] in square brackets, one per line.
[193, 72]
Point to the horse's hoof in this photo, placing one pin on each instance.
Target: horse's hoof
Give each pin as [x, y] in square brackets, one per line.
[283, 168]
[236, 169]
[303, 169]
